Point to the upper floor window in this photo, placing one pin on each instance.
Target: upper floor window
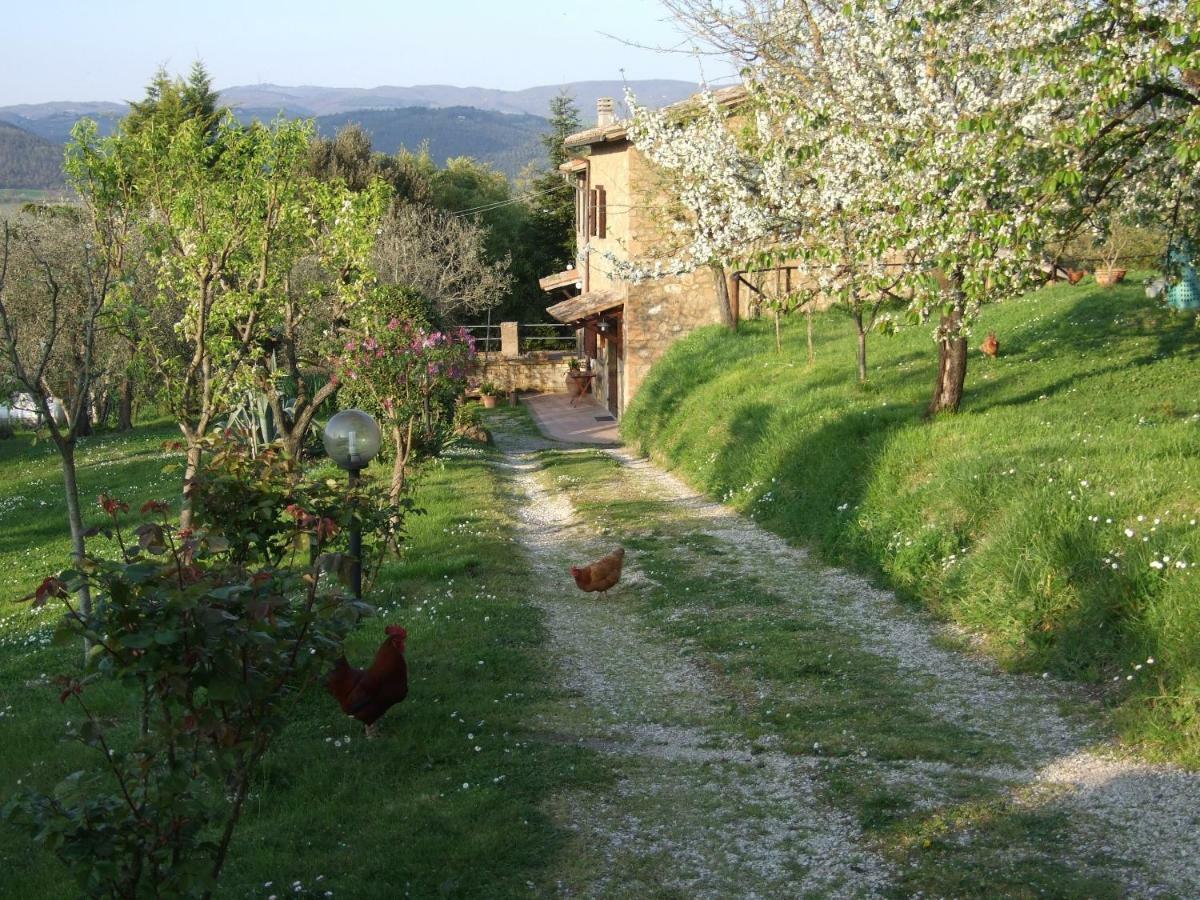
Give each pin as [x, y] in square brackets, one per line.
[597, 216]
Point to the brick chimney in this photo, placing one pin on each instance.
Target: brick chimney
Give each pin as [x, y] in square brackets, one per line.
[604, 112]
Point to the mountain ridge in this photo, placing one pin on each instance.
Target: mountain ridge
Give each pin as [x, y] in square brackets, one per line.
[317, 100]
[496, 126]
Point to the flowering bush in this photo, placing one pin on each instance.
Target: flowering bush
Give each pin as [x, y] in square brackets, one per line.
[411, 378]
[211, 633]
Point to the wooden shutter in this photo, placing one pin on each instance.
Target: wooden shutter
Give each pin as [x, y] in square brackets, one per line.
[592, 202]
[601, 212]
[589, 340]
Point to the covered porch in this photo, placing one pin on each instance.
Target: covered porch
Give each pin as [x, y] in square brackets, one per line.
[600, 316]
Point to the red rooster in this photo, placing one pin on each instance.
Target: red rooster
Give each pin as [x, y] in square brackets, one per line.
[367, 694]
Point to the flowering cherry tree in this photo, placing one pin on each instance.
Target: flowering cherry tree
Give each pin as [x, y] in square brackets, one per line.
[1135, 141]
[891, 149]
[707, 194]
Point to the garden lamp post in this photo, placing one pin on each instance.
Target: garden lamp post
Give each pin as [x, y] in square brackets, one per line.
[352, 439]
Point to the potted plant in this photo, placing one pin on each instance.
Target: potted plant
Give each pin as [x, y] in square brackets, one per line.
[1110, 253]
[488, 392]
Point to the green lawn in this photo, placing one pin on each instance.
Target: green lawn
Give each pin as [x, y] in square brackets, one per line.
[1054, 516]
[447, 802]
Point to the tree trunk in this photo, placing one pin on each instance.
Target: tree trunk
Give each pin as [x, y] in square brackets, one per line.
[812, 353]
[952, 369]
[399, 461]
[66, 450]
[101, 406]
[125, 409]
[722, 291]
[83, 421]
[862, 348]
[189, 472]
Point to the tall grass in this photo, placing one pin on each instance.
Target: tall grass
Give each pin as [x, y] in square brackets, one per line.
[1055, 515]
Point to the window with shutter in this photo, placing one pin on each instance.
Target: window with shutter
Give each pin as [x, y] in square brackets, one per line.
[581, 204]
[601, 212]
[592, 213]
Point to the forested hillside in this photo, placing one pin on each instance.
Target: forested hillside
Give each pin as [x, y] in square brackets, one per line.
[31, 148]
[507, 142]
[55, 123]
[28, 161]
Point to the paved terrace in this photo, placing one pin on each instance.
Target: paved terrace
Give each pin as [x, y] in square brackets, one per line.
[585, 423]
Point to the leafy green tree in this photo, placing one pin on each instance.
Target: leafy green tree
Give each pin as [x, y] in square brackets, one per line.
[330, 286]
[348, 156]
[171, 101]
[1133, 145]
[168, 103]
[550, 227]
[222, 219]
[59, 271]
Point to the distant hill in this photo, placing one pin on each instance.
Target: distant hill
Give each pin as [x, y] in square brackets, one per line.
[54, 121]
[535, 101]
[498, 127]
[508, 142]
[28, 161]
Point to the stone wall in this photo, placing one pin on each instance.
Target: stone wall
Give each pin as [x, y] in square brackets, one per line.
[658, 313]
[544, 371]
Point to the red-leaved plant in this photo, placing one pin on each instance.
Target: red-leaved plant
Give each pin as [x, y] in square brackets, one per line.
[211, 634]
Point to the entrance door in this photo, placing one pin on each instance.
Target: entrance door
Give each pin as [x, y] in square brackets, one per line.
[615, 360]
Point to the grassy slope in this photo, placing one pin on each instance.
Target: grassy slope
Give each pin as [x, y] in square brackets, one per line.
[447, 801]
[1010, 517]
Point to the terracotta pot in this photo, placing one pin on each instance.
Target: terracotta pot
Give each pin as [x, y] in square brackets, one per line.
[1109, 277]
[489, 401]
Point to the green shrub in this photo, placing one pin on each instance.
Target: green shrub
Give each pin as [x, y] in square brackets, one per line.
[208, 637]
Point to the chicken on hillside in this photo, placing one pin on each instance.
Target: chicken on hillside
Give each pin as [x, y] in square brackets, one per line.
[990, 346]
[601, 575]
[367, 694]
[1058, 272]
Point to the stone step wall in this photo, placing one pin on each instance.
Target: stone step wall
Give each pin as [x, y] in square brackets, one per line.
[544, 371]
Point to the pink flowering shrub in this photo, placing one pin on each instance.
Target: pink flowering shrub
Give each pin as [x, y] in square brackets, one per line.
[411, 378]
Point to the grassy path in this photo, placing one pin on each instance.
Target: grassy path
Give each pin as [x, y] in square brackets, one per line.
[778, 728]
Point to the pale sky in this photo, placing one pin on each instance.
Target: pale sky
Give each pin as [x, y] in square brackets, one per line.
[109, 49]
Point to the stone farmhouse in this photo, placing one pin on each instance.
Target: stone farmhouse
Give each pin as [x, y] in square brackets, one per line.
[626, 326]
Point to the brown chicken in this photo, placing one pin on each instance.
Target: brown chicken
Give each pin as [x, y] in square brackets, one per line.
[990, 346]
[601, 575]
[367, 694]
[1062, 273]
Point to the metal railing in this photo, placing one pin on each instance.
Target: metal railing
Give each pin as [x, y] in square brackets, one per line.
[548, 336]
[487, 337]
[551, 336]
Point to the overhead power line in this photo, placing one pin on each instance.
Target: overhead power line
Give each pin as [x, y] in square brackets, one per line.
[520, 198]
